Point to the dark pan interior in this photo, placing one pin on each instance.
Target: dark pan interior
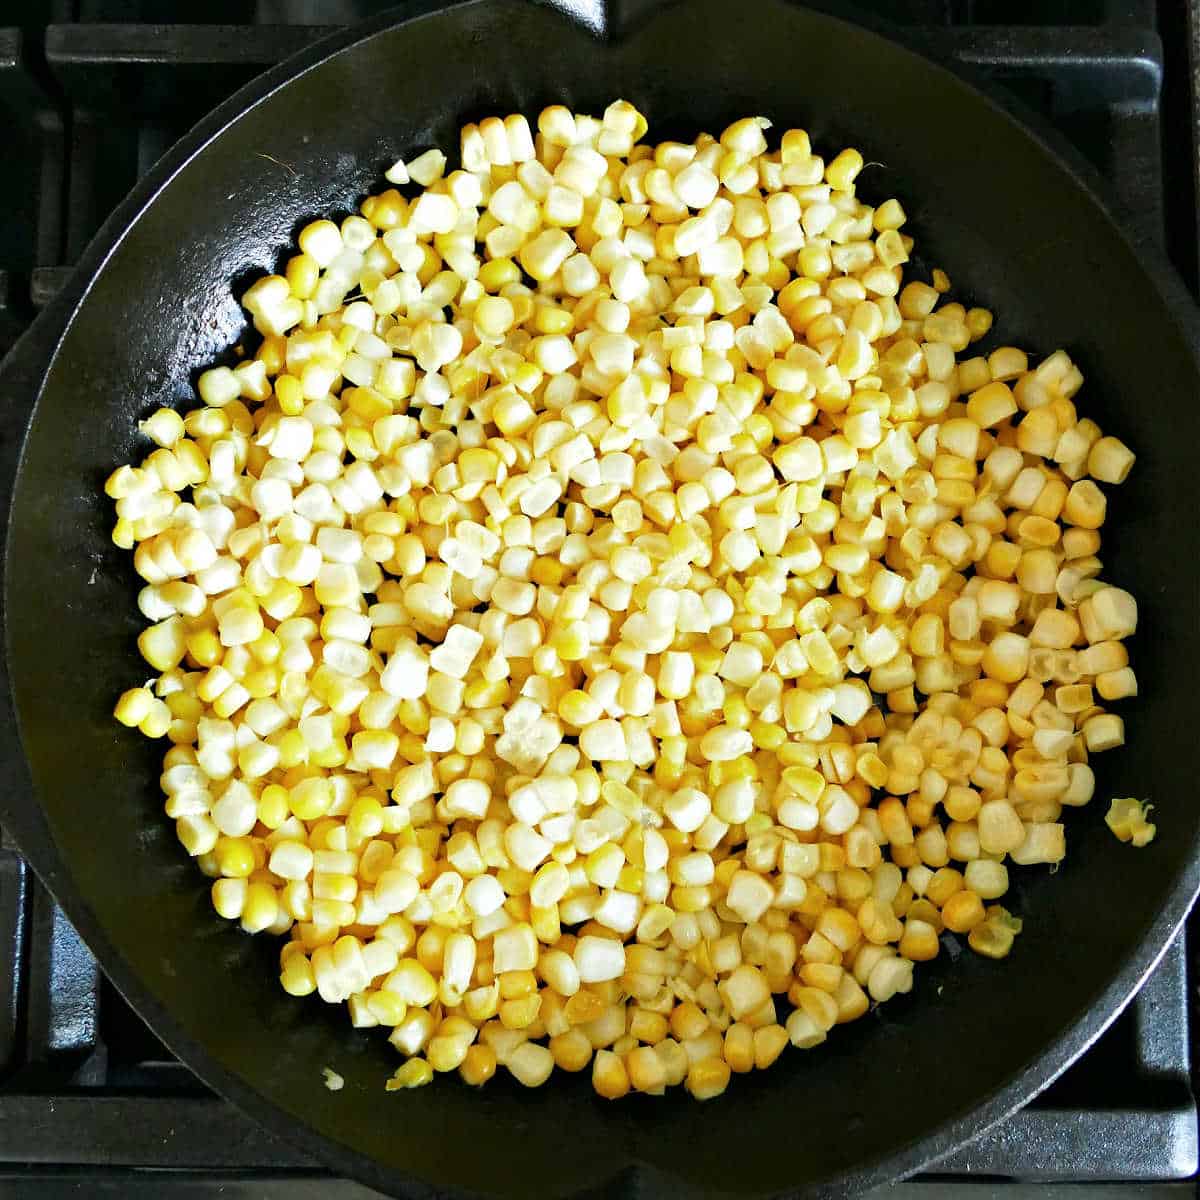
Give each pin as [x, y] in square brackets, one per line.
[1014, 230]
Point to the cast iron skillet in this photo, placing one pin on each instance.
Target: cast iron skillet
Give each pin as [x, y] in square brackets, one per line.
[152, 302]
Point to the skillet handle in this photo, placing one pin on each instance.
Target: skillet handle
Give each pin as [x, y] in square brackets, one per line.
[22, 373]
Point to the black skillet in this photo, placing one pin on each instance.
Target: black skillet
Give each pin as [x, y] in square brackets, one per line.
[153, 301]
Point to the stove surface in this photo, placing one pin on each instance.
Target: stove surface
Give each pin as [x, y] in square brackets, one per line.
[92, 92]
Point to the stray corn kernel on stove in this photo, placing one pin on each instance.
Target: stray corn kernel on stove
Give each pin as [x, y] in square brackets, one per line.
[614, 620]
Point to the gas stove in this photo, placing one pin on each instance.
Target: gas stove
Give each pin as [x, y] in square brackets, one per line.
[92, 92]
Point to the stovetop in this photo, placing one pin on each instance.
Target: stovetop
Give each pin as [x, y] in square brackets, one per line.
[92, 92]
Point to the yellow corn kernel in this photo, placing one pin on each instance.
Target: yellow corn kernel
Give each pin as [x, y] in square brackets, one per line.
[414, 1074]
[534, 689]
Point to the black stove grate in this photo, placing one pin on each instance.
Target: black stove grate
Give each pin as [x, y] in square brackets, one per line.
[92, 92]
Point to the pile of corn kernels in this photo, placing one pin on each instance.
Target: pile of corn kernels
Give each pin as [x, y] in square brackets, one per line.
[613, 622]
